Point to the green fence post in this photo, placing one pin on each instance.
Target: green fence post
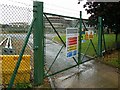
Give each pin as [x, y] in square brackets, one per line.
[80, 34]
[104, 41]
[38, 35]
[100, 36]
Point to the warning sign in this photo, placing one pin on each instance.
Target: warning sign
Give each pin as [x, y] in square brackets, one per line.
[71, 42]
[89, 34]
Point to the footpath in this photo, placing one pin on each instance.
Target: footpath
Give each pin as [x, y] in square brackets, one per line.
[91, 74]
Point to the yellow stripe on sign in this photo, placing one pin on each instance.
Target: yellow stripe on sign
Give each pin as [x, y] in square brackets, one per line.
[70, 48]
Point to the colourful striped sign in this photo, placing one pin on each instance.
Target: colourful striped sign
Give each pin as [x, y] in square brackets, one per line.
[71, 42]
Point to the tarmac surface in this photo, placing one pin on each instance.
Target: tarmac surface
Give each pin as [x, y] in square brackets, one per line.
[92, 74]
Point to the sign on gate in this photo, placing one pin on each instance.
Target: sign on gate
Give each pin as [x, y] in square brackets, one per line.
[89, 34]
[71, 42]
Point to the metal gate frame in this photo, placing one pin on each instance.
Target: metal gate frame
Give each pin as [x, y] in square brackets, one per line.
[79, 49]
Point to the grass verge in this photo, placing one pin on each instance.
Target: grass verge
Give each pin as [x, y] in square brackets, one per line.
[110, 44]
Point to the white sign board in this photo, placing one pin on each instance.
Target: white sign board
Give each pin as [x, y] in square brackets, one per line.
[71, 42]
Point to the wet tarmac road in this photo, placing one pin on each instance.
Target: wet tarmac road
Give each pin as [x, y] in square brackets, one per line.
[91, 75]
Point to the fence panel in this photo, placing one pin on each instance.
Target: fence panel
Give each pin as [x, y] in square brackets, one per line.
[55, 42]
[14, 24]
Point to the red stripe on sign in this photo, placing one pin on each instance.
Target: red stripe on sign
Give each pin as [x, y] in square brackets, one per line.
[72, 43]
[72, 38]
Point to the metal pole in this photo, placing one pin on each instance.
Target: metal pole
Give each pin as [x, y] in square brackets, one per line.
[38, 35]
[104, 40]
[55, 59]
[93, 46]
[86, 50]
[100, 36]
[80, 34]
[62, 16]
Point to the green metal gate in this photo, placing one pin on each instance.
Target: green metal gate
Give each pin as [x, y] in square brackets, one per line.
[79, 24]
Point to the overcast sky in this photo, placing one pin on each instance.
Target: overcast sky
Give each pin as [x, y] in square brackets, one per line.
[64, 7]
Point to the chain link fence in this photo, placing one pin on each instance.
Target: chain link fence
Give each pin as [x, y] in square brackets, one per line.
[14, 24]
[55, 49]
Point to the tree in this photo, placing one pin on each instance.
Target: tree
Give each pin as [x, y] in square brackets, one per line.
[109, 11]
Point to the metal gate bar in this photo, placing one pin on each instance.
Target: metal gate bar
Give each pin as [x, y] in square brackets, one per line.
[93, 46]
[54, 60]
[86, 50]
[55, 30]
[105, 48]
[100, 36]
[62, 16]
[20, 56]
[68, 68]
[61, 71]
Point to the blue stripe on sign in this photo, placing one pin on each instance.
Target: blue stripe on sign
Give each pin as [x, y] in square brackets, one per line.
[69, 54]
[75, 52]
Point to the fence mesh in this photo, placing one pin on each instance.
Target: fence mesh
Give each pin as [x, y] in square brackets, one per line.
[14, 24]
[55, 49]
